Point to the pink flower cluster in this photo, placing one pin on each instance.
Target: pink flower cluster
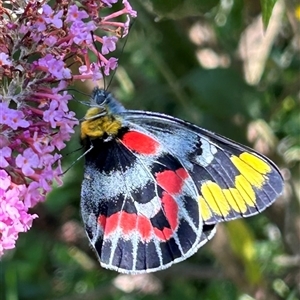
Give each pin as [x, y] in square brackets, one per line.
[38, 44]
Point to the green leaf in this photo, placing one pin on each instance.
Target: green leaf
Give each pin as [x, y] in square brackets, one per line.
[267, 8]
[177, 9]
[242, 242]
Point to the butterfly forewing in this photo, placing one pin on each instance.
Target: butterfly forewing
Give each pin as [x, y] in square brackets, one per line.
[233, 181]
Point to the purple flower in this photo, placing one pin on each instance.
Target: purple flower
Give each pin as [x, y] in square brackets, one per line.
[27, 161]
[4, 181]
[109, 44]
[55, 67]
[35, 119]
[11, 117]
[14, 216]
[51, 18]
[109, 2]
[51, 40]
[82, 32]
[111, 64]
[129, 9]
[93, 70]
[4, 60]
[4, 152]
[74, 14]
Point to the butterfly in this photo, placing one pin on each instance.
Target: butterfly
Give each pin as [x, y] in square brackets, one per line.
[155, 186]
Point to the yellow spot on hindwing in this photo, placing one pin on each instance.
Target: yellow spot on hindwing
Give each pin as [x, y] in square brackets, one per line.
[218, 201]
[205, 210]
[252, 168]
[96, 126]
[235, 200]
[221, 202]
[214, 197]
[245, 189]
[258, 164]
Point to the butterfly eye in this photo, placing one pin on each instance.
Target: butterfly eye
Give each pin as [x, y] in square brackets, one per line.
[99, 97]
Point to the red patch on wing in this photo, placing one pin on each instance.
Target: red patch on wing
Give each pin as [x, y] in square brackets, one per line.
[170, 208]
[140, 142]
[109, 224]
[182, 173]
[164, 234]
[172, 181]
[127, 223]
[144, 228]
[102, 221]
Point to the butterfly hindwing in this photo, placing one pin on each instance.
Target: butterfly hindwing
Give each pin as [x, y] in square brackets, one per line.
[144, 213]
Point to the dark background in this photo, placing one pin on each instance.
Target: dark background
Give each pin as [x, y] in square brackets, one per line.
[213, 64]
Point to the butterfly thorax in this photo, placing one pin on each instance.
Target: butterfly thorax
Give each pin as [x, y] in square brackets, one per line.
[99, 127]
[101, 120]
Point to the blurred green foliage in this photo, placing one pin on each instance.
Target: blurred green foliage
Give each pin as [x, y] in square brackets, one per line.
[185, 59]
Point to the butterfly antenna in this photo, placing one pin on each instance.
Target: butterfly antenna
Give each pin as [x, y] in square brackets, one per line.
[82, 93]
[77, 91]
[77, 159]
[101, 68]
[122, 51]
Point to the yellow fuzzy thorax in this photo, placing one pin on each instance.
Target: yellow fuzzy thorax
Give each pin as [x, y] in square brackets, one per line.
[95, 127]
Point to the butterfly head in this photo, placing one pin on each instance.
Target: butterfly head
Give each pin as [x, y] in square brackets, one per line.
[105, 102]
[101, 120]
